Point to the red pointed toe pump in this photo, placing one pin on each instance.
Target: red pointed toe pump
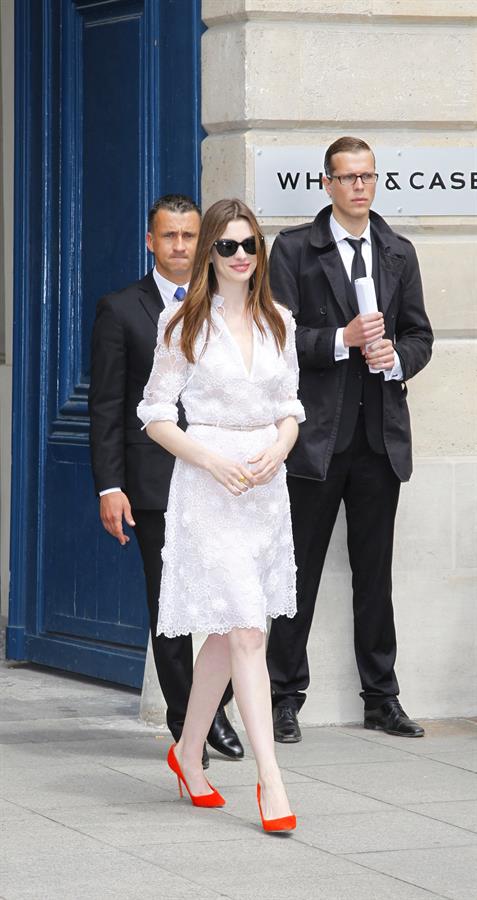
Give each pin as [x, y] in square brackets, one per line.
[285, 823]
[206, 800]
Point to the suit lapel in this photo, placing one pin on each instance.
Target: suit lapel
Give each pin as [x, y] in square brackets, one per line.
[322, 239]
[389, 266]
[335, 273]
[150, 298]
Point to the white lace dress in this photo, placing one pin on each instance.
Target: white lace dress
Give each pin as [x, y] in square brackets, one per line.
[228, 561]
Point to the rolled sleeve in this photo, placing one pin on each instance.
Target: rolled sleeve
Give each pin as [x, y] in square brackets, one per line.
[289, 404]
[167, 379]
[292, 408]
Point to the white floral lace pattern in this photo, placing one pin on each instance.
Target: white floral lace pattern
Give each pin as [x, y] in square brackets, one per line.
[228, 561]
[217, 389]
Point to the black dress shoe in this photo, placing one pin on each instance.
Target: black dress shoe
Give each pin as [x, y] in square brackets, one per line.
[390, 717]
[223, 738]
[286, 729]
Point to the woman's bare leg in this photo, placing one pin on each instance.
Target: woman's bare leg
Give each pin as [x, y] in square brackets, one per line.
[211, 676]
[251, 684]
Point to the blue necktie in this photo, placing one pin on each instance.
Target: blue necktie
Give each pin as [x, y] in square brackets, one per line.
[180, 293]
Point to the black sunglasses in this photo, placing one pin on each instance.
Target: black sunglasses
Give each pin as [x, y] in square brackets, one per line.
[226, 247]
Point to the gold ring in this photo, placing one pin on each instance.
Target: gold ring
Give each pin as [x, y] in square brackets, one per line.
[242, 478]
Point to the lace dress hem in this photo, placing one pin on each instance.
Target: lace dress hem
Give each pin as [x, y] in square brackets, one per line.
[226, 629]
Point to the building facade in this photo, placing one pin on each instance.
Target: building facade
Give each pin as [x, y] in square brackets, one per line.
[274, 74]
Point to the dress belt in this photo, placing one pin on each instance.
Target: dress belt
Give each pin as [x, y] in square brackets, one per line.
[232, 427]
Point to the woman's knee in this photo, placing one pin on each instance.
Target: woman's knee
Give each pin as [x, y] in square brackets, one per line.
[247, 640]
[217, 643]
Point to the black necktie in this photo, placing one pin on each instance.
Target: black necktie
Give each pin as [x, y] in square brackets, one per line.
[358, 268]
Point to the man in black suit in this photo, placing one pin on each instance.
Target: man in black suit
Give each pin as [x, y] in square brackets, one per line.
[355, 445]
[131, 472]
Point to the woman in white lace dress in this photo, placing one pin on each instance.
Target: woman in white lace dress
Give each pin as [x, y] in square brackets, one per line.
[228, 351]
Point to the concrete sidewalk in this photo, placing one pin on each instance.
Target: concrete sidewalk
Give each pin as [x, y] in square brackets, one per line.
[90, 809]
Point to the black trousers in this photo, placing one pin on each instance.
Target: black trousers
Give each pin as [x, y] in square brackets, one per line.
[172, 656]
[366, 483]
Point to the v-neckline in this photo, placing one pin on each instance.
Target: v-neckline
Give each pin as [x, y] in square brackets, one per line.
[248, 372]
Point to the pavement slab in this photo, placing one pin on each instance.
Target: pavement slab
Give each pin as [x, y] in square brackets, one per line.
[456, 812]
[89, 808]
[383, 830]
[283, 857]
[103, 873]
[171, 822]
[459, 760]
[401, 783]
[441, 735]
[69, 729]
[222, 773]
[306, 798]
[81, 785]
[450, 872]
[361, 885]
[330, 746]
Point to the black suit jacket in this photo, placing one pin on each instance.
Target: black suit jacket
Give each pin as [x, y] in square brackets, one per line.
[307, 276]
[123, 343]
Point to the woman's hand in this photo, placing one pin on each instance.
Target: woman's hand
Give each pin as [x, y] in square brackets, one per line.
[267, 463]
[232, 475]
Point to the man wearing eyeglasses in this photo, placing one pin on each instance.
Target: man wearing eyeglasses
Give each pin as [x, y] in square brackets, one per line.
[355, 445]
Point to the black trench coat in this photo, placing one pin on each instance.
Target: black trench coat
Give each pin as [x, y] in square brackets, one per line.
[307, 276]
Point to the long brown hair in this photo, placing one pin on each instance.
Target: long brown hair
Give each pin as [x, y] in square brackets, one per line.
[196, 308]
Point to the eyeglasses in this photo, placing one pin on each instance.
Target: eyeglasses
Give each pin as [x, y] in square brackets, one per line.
[349, 180]
[226, 247]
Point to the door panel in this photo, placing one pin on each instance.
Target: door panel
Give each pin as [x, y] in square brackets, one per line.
[91, 96]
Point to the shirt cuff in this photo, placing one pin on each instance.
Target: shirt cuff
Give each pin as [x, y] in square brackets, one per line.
[109, 491]
[341, 352]
[396, 373]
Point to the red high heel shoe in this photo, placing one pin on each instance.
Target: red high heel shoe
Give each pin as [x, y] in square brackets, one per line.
[286, 823]
[213, 799]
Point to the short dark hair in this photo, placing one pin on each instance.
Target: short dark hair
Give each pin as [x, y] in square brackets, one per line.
[173, 203]
[344, 145]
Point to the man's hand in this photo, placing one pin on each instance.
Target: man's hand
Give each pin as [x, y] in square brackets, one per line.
[364, 330]
[112, 508]
[380, 355]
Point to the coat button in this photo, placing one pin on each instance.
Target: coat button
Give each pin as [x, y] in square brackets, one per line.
[323, 310]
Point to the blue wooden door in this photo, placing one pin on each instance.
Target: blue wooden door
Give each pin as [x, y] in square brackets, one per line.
[107, 118]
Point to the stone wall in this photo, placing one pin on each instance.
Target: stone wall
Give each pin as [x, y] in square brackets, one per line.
[278, 72]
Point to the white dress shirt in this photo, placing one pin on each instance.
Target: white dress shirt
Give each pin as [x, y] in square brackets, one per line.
[167, 290]
[346, 252]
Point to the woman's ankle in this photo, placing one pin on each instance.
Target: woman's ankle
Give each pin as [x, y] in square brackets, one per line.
[270, 777]
[190, 757]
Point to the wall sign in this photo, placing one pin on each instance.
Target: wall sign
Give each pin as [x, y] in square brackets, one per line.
[416, 181]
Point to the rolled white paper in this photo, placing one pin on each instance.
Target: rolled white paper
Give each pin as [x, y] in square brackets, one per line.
[367, 303]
